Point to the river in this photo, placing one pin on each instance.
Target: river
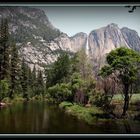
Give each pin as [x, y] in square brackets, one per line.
[36, 117]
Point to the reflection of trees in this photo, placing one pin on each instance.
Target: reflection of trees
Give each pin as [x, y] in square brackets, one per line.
[127, 127]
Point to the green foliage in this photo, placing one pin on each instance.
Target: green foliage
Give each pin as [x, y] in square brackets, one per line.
[77, 82]
[24, 78]
[102, 100]
[40, 84]
[119, 98]
[4, 88]
[105, 71]
[72, 70]
[65, 104]
[14, 72]
[4, 50]
[60, 92]
[37, 97]
[6, 100]
[33, 82]
[59, 71]
[82, 65]
[124, 63]
[82, 113]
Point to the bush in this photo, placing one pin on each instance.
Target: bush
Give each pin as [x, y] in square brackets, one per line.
[65, 104]
[101, 100]
[6, 100]
[18, 98]
[4, 89]
[60, 92]
[77, 82]
[37, 97]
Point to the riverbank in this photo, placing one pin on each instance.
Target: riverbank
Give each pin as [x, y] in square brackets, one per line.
[8, 101]
[89, 114]
[92, 114]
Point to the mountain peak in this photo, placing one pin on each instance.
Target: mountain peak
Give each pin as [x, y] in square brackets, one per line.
[112, 25]
[79, 34]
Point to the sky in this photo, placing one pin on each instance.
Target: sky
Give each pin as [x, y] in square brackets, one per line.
[74, 19]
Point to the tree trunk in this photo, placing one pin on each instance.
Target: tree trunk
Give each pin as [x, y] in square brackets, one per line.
[126, 99]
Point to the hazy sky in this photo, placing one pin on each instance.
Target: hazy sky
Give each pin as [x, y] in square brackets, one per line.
[74, 19]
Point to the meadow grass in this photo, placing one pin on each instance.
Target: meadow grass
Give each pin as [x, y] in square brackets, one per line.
[120, 98]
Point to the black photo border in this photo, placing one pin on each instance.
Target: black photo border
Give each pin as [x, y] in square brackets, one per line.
[69, 2]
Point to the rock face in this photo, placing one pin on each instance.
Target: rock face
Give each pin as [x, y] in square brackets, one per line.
[132, 38]
[39, 42]
[105, 39]
[72, 44]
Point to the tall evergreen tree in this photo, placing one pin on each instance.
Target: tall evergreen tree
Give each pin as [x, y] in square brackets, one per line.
[1, 53]
[59, 71]
[14, 82]
[34, 81]
[24, 78]
[5, 49]
[40, 83]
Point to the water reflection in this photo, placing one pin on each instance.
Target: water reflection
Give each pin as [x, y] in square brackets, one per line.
[39, 117]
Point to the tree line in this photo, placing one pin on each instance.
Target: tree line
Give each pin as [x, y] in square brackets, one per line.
[16, 77]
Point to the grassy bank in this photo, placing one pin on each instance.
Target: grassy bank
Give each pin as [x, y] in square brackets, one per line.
[18, 98]
[88, 114]
[134, 106]
[119, 98]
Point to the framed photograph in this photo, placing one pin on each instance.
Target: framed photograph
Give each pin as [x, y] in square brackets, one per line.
[69, 69]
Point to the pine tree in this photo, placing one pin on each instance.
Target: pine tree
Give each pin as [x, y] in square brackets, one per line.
[30, 83]
[34, 81]
[40, 83]
[14, 82]
[24, 79]
[5, 50]
[1, 53]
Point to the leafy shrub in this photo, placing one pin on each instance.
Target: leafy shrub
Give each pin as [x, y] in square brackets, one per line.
[101, 100]
[61, 92]
[4, 89]
[6, 100]
[65, 104]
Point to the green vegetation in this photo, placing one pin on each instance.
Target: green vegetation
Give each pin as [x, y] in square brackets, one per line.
[119, 98]
[65, 104]
[70, 81]
[78, 85]
[124, 64]
[4, 88]
[60, 92]
[17, 80]
[89, 114]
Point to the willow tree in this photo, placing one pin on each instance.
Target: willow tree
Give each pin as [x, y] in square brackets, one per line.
[123, 62]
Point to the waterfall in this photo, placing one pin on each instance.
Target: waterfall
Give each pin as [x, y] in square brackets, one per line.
[87, 48]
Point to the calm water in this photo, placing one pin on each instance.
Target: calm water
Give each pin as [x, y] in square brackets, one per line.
[39, 117]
